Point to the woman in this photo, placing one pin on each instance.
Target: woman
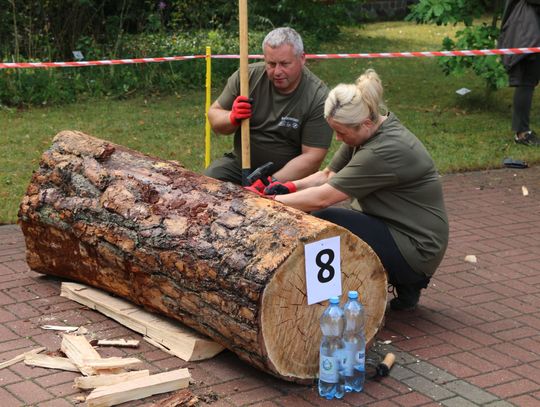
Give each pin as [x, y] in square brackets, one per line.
[397, 200]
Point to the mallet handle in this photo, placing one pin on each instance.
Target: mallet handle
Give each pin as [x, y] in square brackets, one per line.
[244, 87]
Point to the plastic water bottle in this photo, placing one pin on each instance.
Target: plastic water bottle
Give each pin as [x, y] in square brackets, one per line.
[331, 351]
[353, 365]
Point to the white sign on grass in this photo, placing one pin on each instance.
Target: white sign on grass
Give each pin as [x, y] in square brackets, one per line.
[323, 269]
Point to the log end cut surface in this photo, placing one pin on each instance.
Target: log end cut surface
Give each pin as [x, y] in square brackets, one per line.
[290, 327]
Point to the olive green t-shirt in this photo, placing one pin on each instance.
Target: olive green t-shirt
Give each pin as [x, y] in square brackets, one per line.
[393, 177]
[280, 124]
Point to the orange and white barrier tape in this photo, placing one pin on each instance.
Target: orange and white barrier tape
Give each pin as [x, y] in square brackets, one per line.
[71, 64]
[460, 53]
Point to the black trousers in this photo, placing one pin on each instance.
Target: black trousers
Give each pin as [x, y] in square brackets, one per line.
[524, 77]
[376, 234]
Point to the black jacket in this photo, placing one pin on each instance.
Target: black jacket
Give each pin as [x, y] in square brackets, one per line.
[520, 28]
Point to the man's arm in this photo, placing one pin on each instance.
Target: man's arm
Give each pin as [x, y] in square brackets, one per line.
[308, 162]
[219, 119]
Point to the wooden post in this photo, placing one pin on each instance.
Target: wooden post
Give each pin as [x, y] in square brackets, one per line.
[244, 87]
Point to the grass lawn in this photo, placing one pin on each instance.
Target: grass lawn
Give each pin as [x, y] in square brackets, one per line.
[462, 132]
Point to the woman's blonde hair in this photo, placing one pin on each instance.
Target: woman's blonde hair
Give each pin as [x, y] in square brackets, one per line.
[350, 104]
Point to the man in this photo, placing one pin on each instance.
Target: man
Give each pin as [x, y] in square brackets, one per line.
[520, 29]
[286, 112]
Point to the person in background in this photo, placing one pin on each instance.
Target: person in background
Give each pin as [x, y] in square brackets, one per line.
[286, 112]
[397, 199]
[520, 28]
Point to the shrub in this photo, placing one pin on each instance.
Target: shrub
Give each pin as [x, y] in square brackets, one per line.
[63, 85]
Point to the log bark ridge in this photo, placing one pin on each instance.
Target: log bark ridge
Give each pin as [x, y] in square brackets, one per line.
[210, 254]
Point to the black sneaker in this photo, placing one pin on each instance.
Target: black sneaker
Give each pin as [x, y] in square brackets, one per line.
[407, 297]
[528, 139]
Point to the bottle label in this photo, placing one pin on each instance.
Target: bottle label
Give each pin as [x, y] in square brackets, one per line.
[360, 360]
[349, 358]
[328, 369]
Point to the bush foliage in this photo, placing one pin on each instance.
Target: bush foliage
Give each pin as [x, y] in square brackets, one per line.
[50, 30]
[474, 36]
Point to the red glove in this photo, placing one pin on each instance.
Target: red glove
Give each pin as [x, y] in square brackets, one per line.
[253, 189]
[259, 185]
[241, 109]
[280, 188]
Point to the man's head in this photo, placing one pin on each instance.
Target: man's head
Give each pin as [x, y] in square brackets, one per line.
[284, 58]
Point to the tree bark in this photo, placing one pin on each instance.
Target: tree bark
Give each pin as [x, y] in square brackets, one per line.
[210, 254]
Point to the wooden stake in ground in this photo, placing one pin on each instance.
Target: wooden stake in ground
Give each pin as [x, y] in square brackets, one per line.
[219, 259]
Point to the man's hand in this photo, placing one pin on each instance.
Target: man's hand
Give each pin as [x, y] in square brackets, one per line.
[280, 188]
[241, 109]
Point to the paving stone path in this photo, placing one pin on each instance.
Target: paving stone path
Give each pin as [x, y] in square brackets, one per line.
[473, 341]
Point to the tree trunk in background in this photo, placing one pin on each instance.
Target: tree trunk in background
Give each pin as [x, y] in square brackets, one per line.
[218, 258]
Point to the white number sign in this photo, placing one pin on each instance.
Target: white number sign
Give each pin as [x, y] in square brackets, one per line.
[323, 271]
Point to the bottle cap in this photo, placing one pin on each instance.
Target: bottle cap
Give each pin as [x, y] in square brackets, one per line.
[353, 295]
[334, 300]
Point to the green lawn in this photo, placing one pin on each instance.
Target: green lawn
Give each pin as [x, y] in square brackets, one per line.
[461, 132]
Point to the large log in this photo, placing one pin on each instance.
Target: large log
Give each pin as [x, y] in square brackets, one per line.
[208, 253]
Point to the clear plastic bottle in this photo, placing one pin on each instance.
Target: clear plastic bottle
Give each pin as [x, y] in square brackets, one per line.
[331, 351]
[353, 370]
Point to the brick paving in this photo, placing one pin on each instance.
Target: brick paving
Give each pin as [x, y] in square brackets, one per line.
[474, 340]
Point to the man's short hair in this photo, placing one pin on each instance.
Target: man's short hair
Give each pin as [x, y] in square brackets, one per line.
[284, 35]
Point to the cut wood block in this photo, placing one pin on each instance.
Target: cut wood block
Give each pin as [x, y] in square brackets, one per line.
[51, 362]
[181, 341]
[138, 388]
[20, 357]
[91, 382]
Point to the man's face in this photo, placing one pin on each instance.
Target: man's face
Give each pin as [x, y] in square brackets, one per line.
[283, 67]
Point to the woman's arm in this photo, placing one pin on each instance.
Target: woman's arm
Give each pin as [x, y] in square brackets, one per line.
[313, 198]
[314, 180]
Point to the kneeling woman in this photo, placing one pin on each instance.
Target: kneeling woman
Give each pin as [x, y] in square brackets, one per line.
[397, 200]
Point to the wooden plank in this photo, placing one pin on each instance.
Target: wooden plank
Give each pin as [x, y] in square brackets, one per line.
[138, 388]
[20, 357]
[51, 362]
[91, 382]
[181, 341]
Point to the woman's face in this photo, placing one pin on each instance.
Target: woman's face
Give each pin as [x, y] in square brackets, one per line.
[352, 135]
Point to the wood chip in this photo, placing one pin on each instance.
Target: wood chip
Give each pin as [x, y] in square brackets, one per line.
[20, 358]
[51, 362]
[182, 398]
[123, 343]
[111, 363]
[60, 328]
[78, 350]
